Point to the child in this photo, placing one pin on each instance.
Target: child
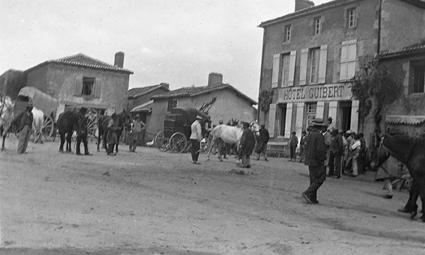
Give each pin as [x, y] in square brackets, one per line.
[293, 143]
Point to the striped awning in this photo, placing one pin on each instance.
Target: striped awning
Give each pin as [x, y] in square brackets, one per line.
[405, 119]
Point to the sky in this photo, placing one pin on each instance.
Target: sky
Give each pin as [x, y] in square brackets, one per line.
[174, 41]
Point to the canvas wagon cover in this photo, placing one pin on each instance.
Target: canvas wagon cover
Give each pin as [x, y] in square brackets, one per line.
[46, 103]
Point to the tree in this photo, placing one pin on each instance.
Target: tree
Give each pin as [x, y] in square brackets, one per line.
[265, 99]
[374, 86]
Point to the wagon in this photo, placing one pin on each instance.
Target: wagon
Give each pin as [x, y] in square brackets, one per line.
[41, 101]
[177, 129]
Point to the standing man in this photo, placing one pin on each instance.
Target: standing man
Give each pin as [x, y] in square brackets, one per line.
[82, 124]
[315, 155]
[336, 150]
[293, 143]
[195, 139]
[136, 132]
[302, 145]
[247, 145]
[111, 136]
[24, 123]
[263, 139]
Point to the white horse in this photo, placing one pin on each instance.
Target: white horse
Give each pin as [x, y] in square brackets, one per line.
[37, 124]
[228, 134]
[6, 116]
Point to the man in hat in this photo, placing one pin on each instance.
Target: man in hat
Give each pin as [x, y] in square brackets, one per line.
[136, 132]
[24, 123]
[82, 130]
[263, 139]
[315, 155]
[195, 138]
[247, 144]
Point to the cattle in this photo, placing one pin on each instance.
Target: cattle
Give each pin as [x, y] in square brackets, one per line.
[411, 152]
[227, 134]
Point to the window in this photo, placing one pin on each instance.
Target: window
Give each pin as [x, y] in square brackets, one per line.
[348, 60]
[88, 84]
[316, 26]
[351, 18]
[285, 69]
[418, 78]
[287, 33]
[313, 65]
[172, 103]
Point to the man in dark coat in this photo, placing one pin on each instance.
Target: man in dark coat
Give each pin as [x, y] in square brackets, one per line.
[247, 145]
[82, 125]
[24, 123]
[262, 141]
[336, 149]
[315, 155]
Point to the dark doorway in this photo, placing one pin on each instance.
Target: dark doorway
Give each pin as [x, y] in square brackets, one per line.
[282, 119]
[345, 115]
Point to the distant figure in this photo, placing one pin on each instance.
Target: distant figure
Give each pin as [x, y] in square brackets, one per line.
[355, 150]
[293, 143]
[195, 138]
[136, 132]
[315, 155]
[111, 136]
[82, 124]
[263, 139]
[24, 123]
[247, 145]
[336, 149]
[302, 145]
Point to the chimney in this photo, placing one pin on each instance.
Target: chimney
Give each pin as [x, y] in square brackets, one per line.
[303, 4]
[119, 59]
[215, 79]
[165, 85]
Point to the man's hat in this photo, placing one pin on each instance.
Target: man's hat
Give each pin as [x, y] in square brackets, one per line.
[198, 117]
[245, 124]
[83, 109]
[137, 116]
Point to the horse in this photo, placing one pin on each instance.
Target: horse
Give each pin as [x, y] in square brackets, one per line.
[6, 117]
[67, 123]
[124, 121]
[37, 124]
[411, 152]
[228, 134]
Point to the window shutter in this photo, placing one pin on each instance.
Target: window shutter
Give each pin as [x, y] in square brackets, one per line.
[303, 66]
[272, 119]
[275, 74]
[78, 87]
[322, 63]
[97, 88]
[292, 60]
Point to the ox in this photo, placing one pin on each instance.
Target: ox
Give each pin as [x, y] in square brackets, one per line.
[411, 152]
[67, 123]
[228, 134]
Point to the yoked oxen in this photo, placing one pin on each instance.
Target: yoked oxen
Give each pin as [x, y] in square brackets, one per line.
[411, 152]
[228, 134]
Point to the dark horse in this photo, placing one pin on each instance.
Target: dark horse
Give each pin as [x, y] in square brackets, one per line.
[411, 152]
[67, 123]
[123, 120]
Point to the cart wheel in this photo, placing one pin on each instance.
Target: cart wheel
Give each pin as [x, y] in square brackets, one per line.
[159, 139]
[178, 142]
[48, 126]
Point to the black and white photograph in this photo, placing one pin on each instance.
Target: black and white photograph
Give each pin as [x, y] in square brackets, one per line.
[212, 127]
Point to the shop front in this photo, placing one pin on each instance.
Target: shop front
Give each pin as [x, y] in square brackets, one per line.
[295, 107]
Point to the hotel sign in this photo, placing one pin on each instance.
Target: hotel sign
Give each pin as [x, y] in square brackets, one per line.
[328, 92]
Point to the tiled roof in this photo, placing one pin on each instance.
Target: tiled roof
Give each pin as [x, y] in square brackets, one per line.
[135, 92]
[417, 48]
[85, 61]
[195, 91]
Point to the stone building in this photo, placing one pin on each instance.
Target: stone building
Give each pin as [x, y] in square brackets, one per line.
[79, 80]
[310, 55]
[406, 66]
[222, 102]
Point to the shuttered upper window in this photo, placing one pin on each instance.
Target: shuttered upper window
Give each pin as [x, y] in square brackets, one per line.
[418, 78]
[351, 18]
[348, 60]
[283, 69]
[314, 57]
[87, 87]
[287, 33]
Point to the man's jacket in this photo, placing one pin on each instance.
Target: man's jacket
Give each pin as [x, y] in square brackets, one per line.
[315, 149]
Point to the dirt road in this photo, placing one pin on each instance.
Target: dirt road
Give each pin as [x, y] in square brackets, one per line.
[152, 202]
